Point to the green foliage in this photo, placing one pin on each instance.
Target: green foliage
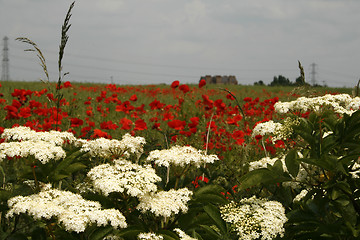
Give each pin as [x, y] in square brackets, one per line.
[330, 209]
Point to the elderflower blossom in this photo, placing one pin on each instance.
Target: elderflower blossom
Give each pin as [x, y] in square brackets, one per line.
[149, 236]
[183, 235]
[22, 133]
[40, 150]
[341, 103]
[266, 128]
[70, 209]
[107, 148]
[123, 176]
[180, 156]
[278, 131]
[254, 218]
[263, 163]
[165, 203]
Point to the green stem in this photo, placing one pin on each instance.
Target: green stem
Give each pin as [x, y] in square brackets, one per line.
[35, 178]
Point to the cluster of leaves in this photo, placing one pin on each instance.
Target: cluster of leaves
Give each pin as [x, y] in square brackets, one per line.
[331, 207]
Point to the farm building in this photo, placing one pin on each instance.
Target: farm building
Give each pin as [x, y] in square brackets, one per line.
[220, 79]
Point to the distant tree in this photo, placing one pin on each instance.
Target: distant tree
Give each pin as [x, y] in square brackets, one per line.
[281, 81]
[260, 83]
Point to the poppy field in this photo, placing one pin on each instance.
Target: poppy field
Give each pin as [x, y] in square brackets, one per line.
[179, 161]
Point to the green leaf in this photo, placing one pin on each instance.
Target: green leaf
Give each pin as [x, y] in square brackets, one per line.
[168, 235]
[75, 167]
[211, 198]
[58, 177]
[212, 234]
[261, 176]
[100, 232]
[326, 162]
[211, 188]
[291, 164]
[131, 232]
[214, 214]
[38, 234]
[17, 236]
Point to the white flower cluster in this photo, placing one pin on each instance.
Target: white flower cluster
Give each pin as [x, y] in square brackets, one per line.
[254, 218]
[40, 150]
[70, 209]
[183, 235]
[263, 163]
[149, 236]
[166, 203]
[278, 131]
[341, 103]
[107, 148]
[180, 156]
[22, 133]
[124, 176]
[266, 128]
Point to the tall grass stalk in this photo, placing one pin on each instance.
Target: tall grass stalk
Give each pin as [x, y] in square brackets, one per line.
[64, 38]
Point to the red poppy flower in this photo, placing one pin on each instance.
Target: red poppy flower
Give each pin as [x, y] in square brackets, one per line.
[140, 124]
[25, 112]
[184, 88]
[108, 125]
[126, 124]
[229, 96]
[76, 122]
[247, 99]
[175, 84]
[133, 98]
[168, 116]
[202, 83]
[194, 122]
[177, 124]
[199, 178]
[156, 105]
[99, 134]
[67, 84]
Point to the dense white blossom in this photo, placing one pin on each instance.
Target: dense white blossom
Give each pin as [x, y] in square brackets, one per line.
[108, 148]
[266, 128]
[278, 131]
[254, 218]
[70, 210]
[40, 150]
[180, 156]
[22, 133]
[340, 103]
[124, 176]
[149, 236]
[166, 203]
[263, 163]
[183, 235]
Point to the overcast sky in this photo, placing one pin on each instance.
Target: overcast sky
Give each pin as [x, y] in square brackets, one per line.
[159, 41]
